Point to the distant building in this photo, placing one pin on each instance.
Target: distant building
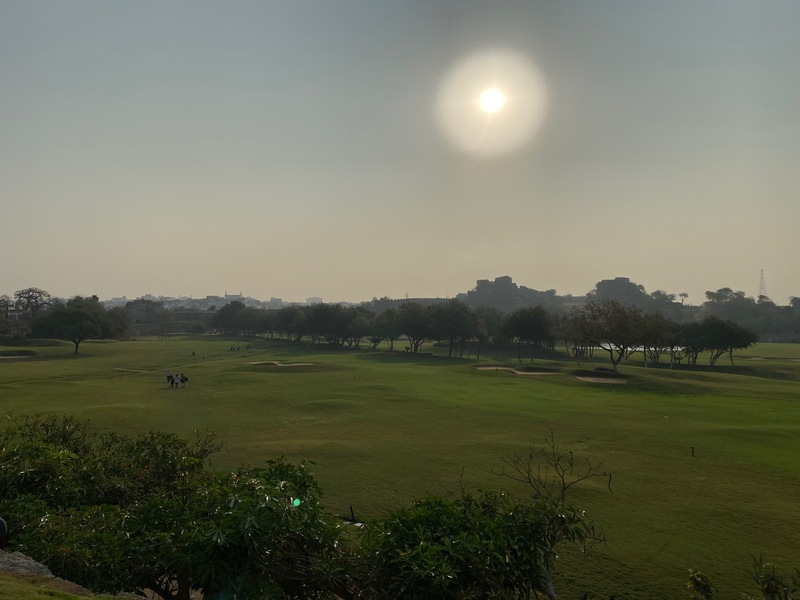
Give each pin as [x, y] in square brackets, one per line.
[314, 300]
[621, 289]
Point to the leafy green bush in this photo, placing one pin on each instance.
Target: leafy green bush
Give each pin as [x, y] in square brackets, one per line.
[471, 547]
[112, 513]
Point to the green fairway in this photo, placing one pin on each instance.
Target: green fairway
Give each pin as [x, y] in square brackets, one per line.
[384, 428]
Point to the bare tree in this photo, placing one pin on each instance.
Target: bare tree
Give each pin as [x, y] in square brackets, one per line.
[551, 473]
[32, 300]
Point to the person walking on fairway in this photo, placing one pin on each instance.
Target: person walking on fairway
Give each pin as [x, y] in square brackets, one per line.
[169, 377]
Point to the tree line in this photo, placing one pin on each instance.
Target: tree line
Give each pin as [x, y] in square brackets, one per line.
[599, 325]
[605, 325]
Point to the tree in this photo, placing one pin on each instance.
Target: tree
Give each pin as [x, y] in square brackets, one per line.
[660, 297]
[225, 318]
[80, 319]
[73, 324]
[386, 326]
[715, 336]
[691, 339]
[551, 474]
[6, 303]
[359, 324]
[664, 303]
[453, 321]
[724, 337]
[657, 336]
[414, 321]
[529, 326]
[113, 323]
[610, 325]
[293, 321]
[569, 330]
[729, 305]
[31, 300]
[491, 321]
[248, 320]
[11, 327]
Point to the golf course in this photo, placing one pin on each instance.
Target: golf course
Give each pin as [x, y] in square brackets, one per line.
[705, 461]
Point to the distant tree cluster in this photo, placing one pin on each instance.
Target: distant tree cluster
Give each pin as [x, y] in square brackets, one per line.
[452, 322]
[620, 330]
[37, 314]
[605, 325]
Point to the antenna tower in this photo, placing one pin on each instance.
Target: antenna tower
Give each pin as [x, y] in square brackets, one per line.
[762, 287]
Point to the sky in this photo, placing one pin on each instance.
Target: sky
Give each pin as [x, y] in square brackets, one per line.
[338, 149]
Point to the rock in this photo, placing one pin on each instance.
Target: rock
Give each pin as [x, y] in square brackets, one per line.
[17, 562]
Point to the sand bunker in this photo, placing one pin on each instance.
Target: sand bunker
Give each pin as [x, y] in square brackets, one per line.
[278, 363]
[131, 370]
[512, 370]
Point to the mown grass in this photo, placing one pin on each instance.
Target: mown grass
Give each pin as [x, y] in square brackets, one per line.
[33, 587]
[384, 428]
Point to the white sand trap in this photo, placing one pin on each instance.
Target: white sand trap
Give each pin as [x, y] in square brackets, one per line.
[518, 372]
[601, 380]
[278, 363]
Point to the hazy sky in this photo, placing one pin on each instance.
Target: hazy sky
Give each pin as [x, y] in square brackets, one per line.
[298, 149]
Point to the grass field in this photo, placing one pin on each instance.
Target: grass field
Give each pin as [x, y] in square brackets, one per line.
[384, 428]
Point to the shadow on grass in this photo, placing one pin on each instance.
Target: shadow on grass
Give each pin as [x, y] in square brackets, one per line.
[424, 359]
[763, 370]
[271, 368]
[17, 353]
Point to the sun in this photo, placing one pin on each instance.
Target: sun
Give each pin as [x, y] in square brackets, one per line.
[492, 100]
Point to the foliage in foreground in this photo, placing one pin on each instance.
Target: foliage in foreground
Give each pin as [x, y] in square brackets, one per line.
[116, 513]
[113, 513]
[771, 584]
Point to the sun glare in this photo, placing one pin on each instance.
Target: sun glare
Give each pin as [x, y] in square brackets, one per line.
[478, 88]
[492, 100]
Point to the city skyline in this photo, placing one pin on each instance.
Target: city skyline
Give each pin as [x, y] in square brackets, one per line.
[346, 151]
